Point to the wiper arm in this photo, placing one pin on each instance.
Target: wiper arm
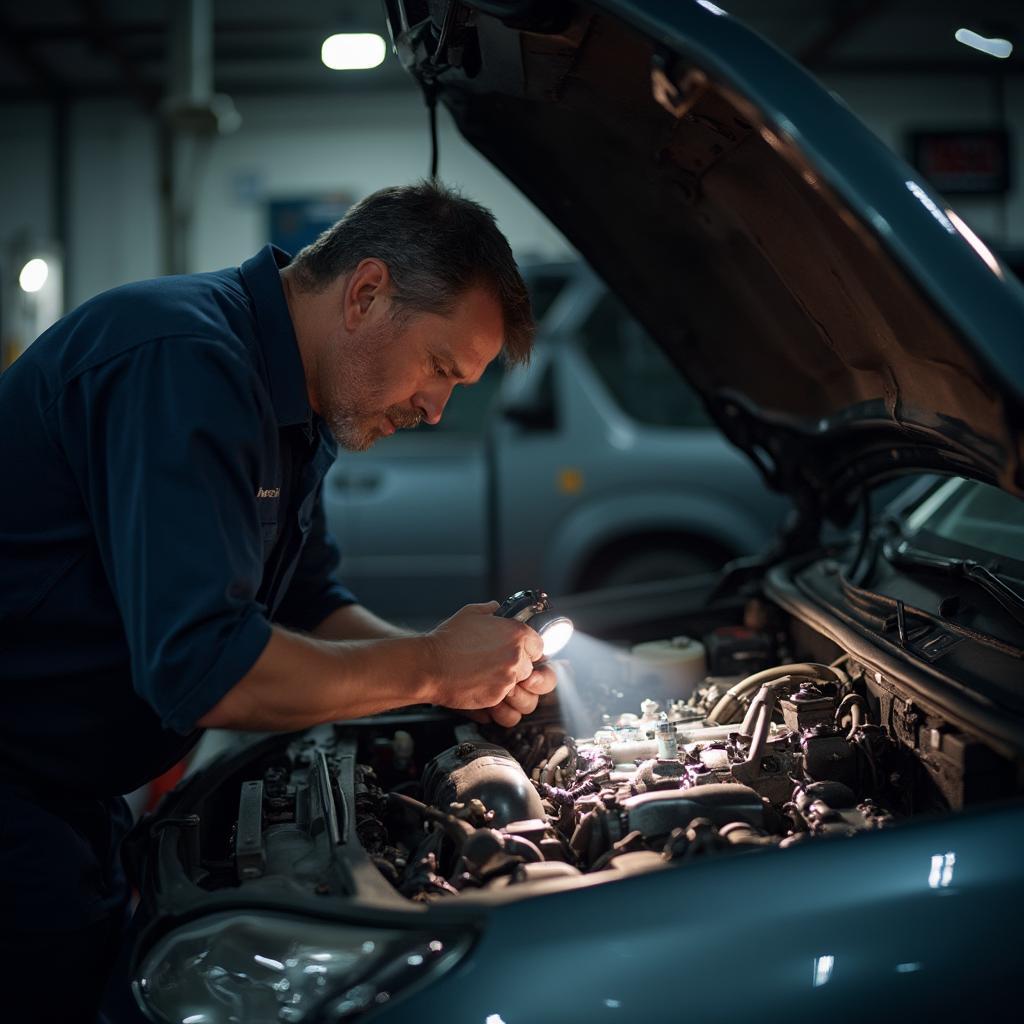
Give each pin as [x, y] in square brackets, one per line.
[902, 554]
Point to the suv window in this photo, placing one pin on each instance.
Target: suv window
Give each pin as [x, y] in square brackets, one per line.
[639, 375]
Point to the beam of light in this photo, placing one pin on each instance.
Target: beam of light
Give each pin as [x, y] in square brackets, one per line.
[823, 969]
[1001, 48]
[575, 712]
[33, 275]
[353, 51]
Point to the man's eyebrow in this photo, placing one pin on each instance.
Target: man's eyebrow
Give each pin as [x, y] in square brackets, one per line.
[457, 371]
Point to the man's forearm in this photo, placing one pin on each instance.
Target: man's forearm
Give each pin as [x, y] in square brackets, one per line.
[299, 681]
[473, 660]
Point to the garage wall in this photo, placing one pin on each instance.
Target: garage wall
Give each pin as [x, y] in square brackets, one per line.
[349, 146]
[895, 105]
[295, 147]
[285, 148]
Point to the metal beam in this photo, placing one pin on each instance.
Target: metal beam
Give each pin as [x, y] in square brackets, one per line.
[982, 68]
[80, 30]
[103, 39]
[60, 176]
[47, 81]
[236, 87]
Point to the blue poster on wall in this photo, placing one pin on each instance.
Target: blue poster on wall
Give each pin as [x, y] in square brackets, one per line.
[295, 223]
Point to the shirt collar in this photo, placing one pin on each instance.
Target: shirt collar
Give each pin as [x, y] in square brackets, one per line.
[276, 335]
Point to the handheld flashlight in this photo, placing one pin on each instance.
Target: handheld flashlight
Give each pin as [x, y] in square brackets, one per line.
[533, 608]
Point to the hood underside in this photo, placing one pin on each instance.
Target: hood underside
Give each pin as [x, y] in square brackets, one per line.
[840, 324]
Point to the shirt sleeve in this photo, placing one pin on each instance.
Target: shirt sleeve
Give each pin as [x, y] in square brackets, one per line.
[165, 441]
[313, 592]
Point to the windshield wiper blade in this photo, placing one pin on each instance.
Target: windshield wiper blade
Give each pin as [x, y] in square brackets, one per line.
[902, 554]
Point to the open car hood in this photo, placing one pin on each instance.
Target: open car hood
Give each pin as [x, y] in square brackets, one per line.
[841, 323]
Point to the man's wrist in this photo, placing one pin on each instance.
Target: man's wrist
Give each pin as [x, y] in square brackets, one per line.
[425, 672]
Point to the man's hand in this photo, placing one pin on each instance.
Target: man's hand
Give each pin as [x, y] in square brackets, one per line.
[478, 659]
[521, 700]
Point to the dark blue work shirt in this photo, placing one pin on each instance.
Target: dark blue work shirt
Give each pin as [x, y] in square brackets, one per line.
[161, 506]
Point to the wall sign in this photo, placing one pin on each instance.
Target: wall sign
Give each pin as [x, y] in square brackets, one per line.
[964, 162]
[295, 223]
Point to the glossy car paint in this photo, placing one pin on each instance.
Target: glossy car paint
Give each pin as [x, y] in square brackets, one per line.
[921, 920]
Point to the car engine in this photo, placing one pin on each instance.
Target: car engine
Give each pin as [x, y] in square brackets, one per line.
[668, 784]
[421, 805]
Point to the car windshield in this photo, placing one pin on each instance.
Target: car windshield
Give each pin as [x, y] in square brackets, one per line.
[971, 520]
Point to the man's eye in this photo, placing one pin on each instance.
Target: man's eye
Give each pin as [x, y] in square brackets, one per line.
[439, 369]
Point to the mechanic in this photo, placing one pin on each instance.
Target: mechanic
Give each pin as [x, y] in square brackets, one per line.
[163, 549]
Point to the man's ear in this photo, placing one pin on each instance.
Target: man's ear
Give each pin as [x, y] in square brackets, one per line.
[366, 291]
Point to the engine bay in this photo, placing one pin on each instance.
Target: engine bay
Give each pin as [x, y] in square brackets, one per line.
[737, 742]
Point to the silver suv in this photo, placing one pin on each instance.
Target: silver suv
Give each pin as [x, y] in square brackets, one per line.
[594, 466]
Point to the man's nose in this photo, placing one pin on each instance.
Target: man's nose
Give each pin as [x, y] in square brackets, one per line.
[431, 400]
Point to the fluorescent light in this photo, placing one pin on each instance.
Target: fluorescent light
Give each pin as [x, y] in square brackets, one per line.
[1001, 48]
[353, 51]
[33, 275]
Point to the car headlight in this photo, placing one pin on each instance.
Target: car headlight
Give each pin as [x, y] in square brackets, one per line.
[271, 967]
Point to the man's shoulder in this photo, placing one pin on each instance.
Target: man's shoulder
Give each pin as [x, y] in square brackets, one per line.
[197, 312]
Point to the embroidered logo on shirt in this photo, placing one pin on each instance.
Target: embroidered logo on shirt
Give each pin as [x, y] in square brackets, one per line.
[269, 492]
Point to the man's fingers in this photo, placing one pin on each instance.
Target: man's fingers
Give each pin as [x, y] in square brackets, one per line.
[504, 715]
[533, 644]
[522, 701]
[542, 680]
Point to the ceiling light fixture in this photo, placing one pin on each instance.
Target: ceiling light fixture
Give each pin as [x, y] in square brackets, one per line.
[353, 51]
[1001, 48]
[33, 275]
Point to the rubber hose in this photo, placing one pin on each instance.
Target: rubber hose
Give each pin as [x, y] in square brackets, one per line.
[729, 704]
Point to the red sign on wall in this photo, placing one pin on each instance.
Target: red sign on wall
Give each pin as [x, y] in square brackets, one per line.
[963, 163]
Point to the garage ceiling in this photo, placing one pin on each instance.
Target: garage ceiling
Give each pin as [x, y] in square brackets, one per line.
[87, 48]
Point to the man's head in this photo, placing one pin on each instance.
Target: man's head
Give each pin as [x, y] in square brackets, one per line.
[412, 292]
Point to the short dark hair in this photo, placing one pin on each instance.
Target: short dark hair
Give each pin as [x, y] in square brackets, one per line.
[436, 244]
